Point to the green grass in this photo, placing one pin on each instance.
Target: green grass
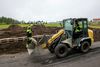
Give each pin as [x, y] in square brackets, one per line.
[52, 25]
[95, 25]
[23, 25]
[92, 26]
[2, 26]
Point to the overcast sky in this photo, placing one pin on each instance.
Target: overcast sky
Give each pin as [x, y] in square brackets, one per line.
[49, 10]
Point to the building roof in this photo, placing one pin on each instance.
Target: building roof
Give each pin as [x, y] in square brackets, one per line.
[96, 19]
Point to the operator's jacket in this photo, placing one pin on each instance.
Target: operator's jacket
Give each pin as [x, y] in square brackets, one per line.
[77, 29]
[31, 42]
[29, 32]
[77, 32]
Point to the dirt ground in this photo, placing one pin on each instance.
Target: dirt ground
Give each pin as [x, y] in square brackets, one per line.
[90, 59]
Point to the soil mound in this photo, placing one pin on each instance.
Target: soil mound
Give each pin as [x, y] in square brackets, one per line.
[41, 29]
[18, 31]
[12, 31]
[96, 34]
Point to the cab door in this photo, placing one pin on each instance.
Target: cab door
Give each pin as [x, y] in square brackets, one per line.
[85, 28]
[68, 27]
[83, 33]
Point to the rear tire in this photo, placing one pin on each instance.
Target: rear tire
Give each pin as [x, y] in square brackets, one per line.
[61, 50]
[85, 46]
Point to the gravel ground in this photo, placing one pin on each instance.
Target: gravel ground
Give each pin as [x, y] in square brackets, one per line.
[90, 59]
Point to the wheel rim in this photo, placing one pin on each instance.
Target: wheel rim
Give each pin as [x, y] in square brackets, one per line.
[85, 46]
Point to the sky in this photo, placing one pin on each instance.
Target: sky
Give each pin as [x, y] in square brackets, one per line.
[49, 10]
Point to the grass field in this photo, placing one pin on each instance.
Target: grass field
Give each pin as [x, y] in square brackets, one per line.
[52, 25]
[2, 26]
[98, 26]
[95, 25]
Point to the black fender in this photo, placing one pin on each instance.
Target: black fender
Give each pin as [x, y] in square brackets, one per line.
[85, 39]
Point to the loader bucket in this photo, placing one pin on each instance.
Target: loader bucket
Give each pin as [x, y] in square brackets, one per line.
[36, 51]
[31, 46]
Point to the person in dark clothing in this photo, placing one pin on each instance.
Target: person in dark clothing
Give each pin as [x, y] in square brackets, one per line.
[77, 30]
[29, 34]
[31, 42]
[29, 31]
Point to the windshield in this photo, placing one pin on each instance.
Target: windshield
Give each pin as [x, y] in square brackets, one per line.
[67, 24]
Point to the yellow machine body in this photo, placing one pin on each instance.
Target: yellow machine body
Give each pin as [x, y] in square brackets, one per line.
[60, 32]
[90, 33]
[55, 36]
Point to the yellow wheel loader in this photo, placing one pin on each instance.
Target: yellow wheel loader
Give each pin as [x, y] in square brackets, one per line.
[75, 34]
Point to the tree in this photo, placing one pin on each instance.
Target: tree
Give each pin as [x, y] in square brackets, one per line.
[6, 20]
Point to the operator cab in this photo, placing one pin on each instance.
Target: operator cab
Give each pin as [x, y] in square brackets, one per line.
[76, 28]
[70, 25]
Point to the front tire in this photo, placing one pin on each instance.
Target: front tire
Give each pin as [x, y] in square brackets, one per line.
[61, 50]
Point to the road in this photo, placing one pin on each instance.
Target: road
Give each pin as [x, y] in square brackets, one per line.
[75, 59]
